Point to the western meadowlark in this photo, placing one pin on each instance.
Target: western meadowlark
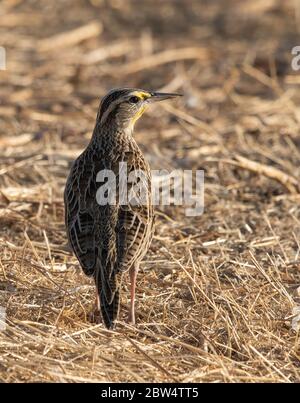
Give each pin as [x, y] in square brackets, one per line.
[112, 237]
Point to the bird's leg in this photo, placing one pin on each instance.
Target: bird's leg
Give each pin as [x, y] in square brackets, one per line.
[133, 274]
[97, 308]
[95, 316]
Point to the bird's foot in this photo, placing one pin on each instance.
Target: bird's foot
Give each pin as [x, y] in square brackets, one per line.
[131, 319]
[95, 316]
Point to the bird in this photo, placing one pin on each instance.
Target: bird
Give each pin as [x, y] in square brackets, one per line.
[111, 238]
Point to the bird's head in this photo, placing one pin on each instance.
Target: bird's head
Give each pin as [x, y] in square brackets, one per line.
[124, 106]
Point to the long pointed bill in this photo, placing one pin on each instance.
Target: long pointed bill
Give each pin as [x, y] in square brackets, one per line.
[161, 96]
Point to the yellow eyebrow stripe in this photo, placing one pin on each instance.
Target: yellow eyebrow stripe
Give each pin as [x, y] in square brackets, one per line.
[141, 94]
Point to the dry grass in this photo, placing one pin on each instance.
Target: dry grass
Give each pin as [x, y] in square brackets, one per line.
[216, 293]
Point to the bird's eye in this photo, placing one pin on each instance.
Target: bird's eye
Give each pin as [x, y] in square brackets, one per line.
[134, 100]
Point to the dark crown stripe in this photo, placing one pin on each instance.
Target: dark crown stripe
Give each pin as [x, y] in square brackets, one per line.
[111, 97]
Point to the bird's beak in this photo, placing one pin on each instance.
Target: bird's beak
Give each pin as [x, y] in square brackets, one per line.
[161, 96]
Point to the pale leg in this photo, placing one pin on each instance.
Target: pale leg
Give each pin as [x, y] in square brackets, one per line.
[133, 274]
[95, 315]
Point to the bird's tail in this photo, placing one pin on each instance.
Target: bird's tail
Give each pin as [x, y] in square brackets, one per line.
[110, 311]
[108, 288]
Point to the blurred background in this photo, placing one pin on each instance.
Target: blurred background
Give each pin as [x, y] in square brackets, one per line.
[238, 120]
[231, 60]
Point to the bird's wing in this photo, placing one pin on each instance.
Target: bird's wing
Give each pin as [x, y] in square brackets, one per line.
[132, 235]
[108, 238]
[90, 226]
[135, 219]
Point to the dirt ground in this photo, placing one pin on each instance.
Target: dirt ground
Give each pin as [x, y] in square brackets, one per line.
[218, 294]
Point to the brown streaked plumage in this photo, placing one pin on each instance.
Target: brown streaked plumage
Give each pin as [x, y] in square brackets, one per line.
[110, 239]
